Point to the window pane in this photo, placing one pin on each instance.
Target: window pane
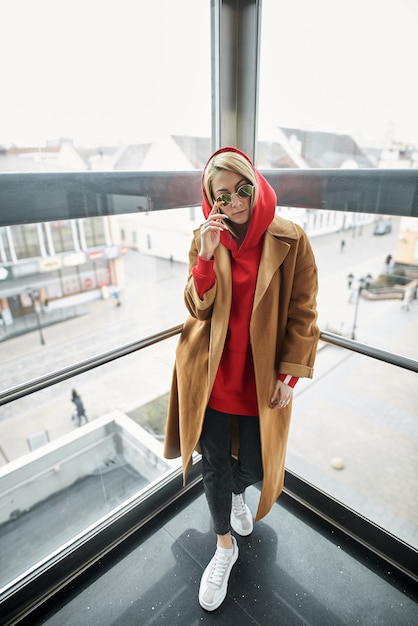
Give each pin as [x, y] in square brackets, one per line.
[354, 435]
[109, 90]
[340, 97]
[77, 290]
[61, 235]
[74, 471]
[334, 96]
[27, 240]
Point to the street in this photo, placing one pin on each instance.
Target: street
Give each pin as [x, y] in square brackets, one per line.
[362, 411]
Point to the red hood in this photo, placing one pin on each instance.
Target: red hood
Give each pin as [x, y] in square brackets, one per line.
[263, 211]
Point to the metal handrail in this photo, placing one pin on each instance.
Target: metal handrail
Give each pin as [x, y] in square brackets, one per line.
[47, 380]
[370, 351]
[27, 197]
[52, 378]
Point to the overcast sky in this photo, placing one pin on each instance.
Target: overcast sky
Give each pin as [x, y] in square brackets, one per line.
[128, 70]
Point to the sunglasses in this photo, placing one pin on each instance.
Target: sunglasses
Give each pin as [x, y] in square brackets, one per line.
[245, 191]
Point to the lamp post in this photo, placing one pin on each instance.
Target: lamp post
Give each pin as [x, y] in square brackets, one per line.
[34, 296]
[363, 283]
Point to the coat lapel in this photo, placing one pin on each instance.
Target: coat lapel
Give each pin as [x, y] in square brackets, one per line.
[220, 315]
[272, 256]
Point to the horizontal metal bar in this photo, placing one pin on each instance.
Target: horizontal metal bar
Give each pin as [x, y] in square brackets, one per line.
[47, 380]
[370, 351]
[43, 197]
[375, 191]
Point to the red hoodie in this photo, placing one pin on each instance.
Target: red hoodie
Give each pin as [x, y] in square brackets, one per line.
[234, 389]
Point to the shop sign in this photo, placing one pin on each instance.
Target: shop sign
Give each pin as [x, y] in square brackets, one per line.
[50, 264]
[96, 254]
[76, 258]
[112, 252]
[25, 269]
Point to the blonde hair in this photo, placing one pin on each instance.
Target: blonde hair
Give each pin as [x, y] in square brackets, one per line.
[232, 162]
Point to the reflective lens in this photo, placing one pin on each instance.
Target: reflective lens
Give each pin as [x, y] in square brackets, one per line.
[245, 191]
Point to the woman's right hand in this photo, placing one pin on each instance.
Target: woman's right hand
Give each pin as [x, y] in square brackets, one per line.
[210, 233]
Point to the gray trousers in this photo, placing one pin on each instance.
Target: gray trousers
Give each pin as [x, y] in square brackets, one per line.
[221, 478]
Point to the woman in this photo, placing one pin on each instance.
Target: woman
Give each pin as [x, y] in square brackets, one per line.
[251, 334]
[79, 410]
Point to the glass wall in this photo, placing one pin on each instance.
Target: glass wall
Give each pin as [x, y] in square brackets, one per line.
[114, 86]
[130, 90]
[121, 86]
[327, 99]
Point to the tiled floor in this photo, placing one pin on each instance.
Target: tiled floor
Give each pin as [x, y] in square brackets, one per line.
[291, 571]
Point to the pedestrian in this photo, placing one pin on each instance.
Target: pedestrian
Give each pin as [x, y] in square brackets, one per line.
[251, 333]
[407, 298]
[342, 245]
[78, 412]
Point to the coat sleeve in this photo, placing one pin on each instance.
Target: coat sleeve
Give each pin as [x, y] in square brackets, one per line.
[199, 308]
[302, 332]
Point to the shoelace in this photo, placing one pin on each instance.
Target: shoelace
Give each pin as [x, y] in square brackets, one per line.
[218, 569]
[238, 506]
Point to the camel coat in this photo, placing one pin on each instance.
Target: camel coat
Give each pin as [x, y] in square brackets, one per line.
[283, 335]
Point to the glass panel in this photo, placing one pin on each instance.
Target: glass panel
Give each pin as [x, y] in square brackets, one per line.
[130, 81]
[76, 471]
[326, 100]
[354, 434]
[364, 281]
[357, 413]
[61, 235]
[27, 241]
[90, 299]
[330, 106]
[92, 232]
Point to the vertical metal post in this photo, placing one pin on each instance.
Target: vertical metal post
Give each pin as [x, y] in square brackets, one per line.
[359, 290]
[38, 321]
[34, 296]
[235, 35]
[363, 282]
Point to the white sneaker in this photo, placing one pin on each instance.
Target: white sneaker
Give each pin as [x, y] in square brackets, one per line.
[214, 583]
[241, 518]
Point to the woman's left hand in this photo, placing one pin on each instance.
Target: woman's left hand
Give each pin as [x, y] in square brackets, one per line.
[281, 396]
